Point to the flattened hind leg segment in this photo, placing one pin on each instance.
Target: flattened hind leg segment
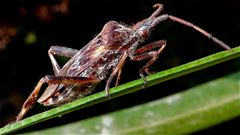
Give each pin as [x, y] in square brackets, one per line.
[31, 100]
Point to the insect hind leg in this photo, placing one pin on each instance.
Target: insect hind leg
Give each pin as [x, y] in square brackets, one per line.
[31, 100]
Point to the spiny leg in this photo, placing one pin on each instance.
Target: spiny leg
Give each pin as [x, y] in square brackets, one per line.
[60, 51]
[118, 69]
[31, 100]
[146, 53]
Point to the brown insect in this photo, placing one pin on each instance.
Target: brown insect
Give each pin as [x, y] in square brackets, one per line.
[102, 58]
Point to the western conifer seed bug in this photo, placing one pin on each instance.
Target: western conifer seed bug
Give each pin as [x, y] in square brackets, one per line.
[103, 58]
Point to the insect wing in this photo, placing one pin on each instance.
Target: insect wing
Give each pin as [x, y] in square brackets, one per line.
[48, 92]
[86, 57]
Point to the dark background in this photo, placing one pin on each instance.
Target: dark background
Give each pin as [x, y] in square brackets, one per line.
[24, 59]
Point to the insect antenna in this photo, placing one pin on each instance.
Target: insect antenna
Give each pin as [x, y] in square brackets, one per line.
[207, 34]
[155, 19]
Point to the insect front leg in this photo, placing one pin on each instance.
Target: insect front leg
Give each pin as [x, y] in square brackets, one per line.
[146, 52]
[60, 51]
[31, 100]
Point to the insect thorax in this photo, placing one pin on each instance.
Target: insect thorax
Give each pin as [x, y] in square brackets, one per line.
[119, 34]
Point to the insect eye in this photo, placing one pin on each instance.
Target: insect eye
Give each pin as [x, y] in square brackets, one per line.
[143, 31]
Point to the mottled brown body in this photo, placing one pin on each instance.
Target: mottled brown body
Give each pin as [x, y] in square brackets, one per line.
[96, 60]
[102, 58]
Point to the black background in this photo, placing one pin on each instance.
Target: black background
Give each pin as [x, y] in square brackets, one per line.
[21, 64]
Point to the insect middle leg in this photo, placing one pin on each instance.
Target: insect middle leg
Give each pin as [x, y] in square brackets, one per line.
[117, 69]
[60, 51]
[146, 52]
[31, 100]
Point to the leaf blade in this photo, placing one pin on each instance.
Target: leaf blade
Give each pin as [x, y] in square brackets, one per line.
[182, 113]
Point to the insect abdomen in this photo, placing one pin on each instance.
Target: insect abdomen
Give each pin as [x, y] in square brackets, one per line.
[69, 94]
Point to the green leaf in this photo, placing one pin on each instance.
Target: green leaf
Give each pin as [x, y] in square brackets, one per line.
[125, 89]
[182, 113]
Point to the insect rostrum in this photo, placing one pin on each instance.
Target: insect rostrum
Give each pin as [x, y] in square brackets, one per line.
[102, 59]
